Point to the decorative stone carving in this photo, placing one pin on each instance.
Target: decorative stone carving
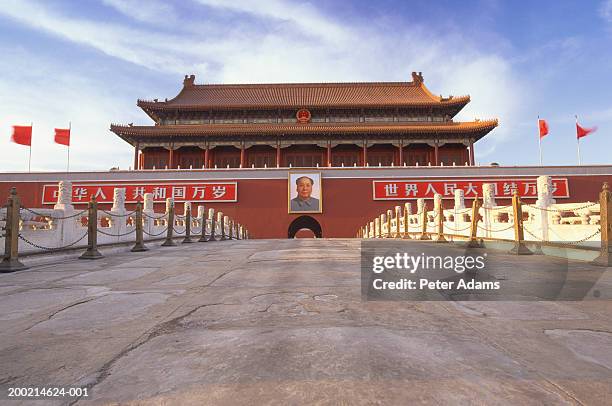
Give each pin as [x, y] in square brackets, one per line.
[64, 196]
[408, 208]
[459, 199]
[148, 202]
[488, 195]
[545, 191]
[169, 204]
[437, 201]
[420, 205]
[118, 200]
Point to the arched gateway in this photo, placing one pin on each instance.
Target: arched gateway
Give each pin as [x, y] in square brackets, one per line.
[304, 222]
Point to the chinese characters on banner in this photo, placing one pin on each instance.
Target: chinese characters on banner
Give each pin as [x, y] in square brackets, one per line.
[504, 188]
[183, 192]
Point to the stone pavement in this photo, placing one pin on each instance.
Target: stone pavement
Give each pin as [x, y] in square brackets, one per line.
[282, 322]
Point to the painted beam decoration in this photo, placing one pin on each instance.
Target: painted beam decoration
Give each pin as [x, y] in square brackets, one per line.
[206, 192]
[504, 188]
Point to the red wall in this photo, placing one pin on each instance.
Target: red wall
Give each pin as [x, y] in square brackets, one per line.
[347, 202]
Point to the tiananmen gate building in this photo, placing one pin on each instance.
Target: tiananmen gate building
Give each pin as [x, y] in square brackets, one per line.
[304, 125]
[323, 157]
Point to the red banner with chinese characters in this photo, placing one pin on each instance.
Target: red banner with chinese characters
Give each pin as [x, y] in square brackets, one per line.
[206, 192]
[504, 188]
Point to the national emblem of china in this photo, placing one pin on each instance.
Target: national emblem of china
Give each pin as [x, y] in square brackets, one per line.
[303, 116]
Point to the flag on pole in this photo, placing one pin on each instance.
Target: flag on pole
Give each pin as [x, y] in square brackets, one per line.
[62, 136]
[582, 131]
[543, 125]
[22, 135]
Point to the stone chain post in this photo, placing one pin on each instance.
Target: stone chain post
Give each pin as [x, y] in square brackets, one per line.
[92, 232]
[220, 221]
[10, 262]
[377, 227]
[424, 235]
[398, 221]
[389, 218]
[139, 246]
[473, 242]
[605, 223]
[170, 232]
[407, 212]
[230, 224]
[519, 237]
[441, 238]
[187, 239]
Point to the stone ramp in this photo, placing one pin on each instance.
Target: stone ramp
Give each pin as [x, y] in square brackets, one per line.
[282, 322]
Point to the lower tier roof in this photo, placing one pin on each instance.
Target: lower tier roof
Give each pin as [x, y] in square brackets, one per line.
[474, 129]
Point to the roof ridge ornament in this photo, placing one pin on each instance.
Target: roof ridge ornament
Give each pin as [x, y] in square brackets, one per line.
[189, 81]
[417, 78]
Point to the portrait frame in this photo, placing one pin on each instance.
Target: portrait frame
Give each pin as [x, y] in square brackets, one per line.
[317, 190]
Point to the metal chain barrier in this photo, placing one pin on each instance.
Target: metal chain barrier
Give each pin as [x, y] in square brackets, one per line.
[117, 235]
[497, 208]
[569, 243]
[117, 215]
[533, 206]
[40, 247]
[154, 217]
[458, 230]
[156, 235]
[494, 231]
[52, 217]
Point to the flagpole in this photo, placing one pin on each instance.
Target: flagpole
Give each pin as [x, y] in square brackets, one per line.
[30, 157]
[539, 140]
[69, 131]
[578, 141]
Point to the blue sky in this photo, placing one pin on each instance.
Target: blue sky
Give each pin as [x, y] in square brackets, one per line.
[86, 62]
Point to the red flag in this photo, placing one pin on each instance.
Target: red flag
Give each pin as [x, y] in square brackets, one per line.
[583, 132]
[22, 135]
[543, 128]
[62, 136]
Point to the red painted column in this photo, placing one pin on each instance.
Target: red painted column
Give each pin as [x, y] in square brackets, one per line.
[278, 155]
[365, 153]
[329, 159]
[401, 153]
[206, 157]
[141, 160]
[242, 156]
[170, 158]
[472, 160]
[136, 148]
[436, 155]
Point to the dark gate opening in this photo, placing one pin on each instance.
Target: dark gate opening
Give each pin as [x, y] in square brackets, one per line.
[304, 222]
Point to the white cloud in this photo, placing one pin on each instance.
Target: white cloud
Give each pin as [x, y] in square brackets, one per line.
[606, 10]
[148, 11]
[297, 43]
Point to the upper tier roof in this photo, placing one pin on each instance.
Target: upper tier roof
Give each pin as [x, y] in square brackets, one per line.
[307, 95]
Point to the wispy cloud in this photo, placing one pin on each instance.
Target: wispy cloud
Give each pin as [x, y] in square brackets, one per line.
[606, 10]
[273, 41]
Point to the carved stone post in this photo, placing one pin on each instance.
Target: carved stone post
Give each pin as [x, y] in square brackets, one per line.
[474, 243]
[519, 237]
[440, 215]
[377, 227]
[92, 232]
[10, 261]
[407, 213]
[398, 221]
[170, 216]
[139, 246]
[230, 226]
[383, 222]
[605, 222]
[211, 219]
[226, 223]
[221, 225]
[424, 235]
[187, 239]
[389, 218]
